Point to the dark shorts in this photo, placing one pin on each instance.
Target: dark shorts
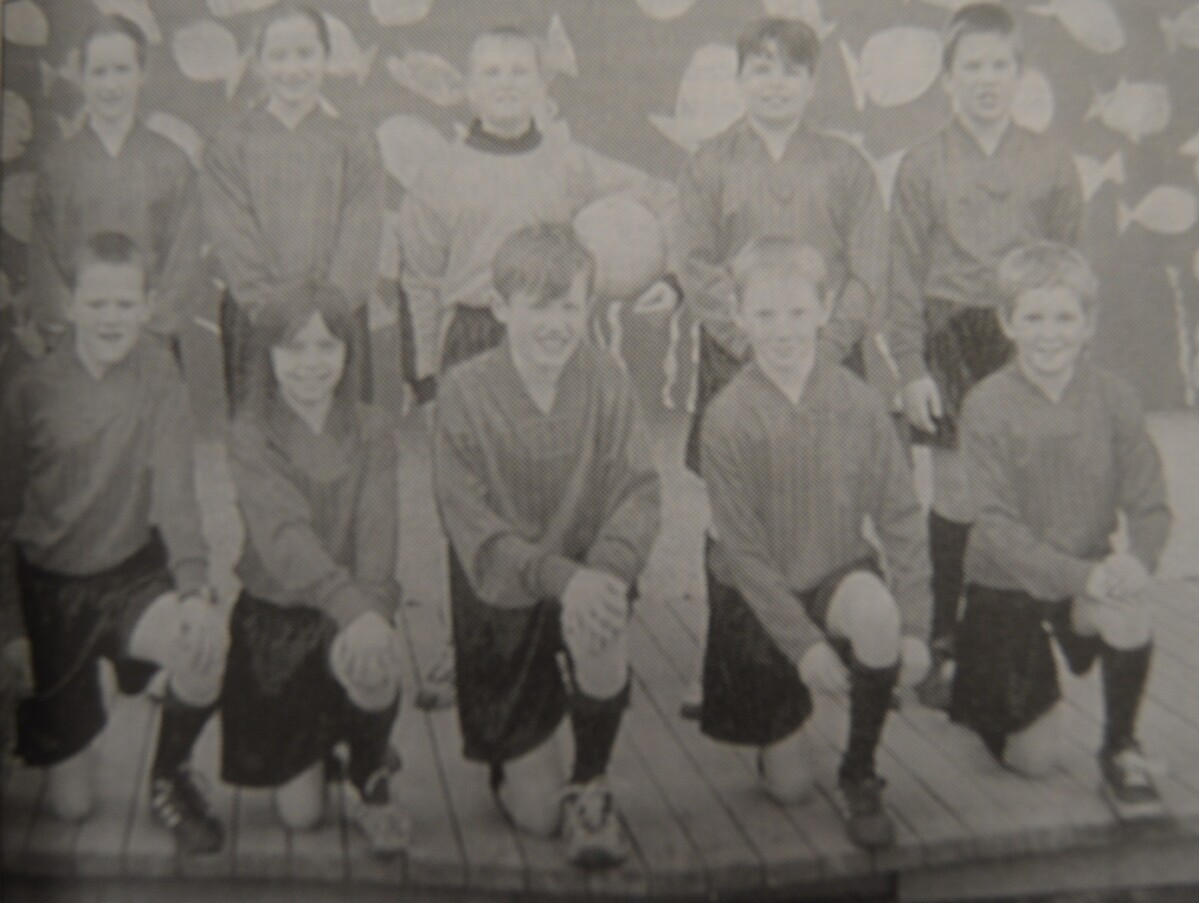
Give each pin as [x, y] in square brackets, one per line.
[964, 346]
[512, 692]
[72, 622]
[752, 692]
[282, 709]
[1006, 676]
[472, 331]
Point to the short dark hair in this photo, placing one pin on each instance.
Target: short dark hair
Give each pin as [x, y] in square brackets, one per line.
[112, 248]
[289, 11]
[979, 18]
[543, 260]
[782, 256]
[1045, 265]
[792, 41]
[118, 25]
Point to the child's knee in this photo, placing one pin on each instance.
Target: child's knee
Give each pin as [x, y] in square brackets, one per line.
[601, 673]
[69, 788]
[533, 802]
[864, 612]
[300, 803]
[1125, 626]
[788, 771]
[375, 695]
[1036, 751]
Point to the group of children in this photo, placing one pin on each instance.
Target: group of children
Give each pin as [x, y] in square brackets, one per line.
[543, 471]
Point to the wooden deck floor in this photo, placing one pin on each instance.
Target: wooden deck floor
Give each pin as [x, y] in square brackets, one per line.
[698, 824]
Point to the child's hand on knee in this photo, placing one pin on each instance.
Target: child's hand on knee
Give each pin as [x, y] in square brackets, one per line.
[365, 659]
[1126, 576]
[821, 670]
[595, 606]
[203, 632]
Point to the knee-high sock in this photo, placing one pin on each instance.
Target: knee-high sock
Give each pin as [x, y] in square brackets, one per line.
[1125, 673]
[369, 737]
[179, 726]
[947, 549]
[870, 691]
[595, 723]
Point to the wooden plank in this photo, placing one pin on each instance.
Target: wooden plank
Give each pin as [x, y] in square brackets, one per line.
[22, 798]
[257, 838]
[319, 855]
[206, 761]
[149, 849]
[50, 845]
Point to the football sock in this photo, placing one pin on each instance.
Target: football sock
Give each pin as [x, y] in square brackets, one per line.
[179, 726]
[368, 735]
[1125, 673]
[870, 691]
[947, 548]
[594, 723]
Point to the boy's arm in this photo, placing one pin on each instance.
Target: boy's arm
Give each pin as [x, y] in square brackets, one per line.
[505, 569]
[743, 540]
[279, 524]
[353, 265]
[911, 225]
[48, 289]
[900, 523]
[999, 530]
[174, 508]
[708, 288]
[1142, 487]
[633, 490]
[181, 284]
[424, 244]
[1065, 211]
[376, 519]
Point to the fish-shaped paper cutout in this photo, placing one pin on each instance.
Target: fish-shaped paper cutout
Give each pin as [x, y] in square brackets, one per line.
[557, 52]
[406, 144]
[806, 11]
[206, 51]
[665, 9]
[25, 24]
[951, 5]
[1134, 109]
[1093, 174]
[1033, 105]
[182, 134]
[896, 66]
[708, 101]
[400, 12]
[1166, 210]
[16, 126]
[71, 71]
[1093, 23]
[1182, 30]
[1191, 149]
[226, 8]
[429, 76]
[136, 11]
[16, 205]
[346, 58]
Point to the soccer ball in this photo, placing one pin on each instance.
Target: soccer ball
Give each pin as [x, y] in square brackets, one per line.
[628, 244]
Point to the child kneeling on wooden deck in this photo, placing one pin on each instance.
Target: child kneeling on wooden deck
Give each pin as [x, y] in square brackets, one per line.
[314, 657]
[796, 453]
[548, 493]
[98, 499]
[1056, 449]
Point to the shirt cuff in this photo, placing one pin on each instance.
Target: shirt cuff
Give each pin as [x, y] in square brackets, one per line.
[549, 576]
[190, 575]
[348, 603]
[615, 557]
[911, 367]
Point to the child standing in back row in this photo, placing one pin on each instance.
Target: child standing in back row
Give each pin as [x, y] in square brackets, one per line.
[963, 198]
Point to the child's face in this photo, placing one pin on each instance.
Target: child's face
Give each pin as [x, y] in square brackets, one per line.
[504, 83]
[776, 92]
[544, 334]
[108, 309]
[310, 364]
[292, 60]
[983, 79]
[112, 77]
[782, 318]
[1050, 327]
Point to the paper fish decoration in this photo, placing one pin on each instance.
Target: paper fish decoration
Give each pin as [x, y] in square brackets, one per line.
[16, 205]
[806, 11]
[346, 58]
[1033, 107]
[16, 126]
[206, 51]
[1093, 23]
[952, 5]
[1135, 109]
[71, 71]
[1166, 210]
[406, 144]
[136, 11]
[1093, 174]
[226, 8]
[429, 76]
[182, 134]
[1191, 149]
[896, 66]
[1183, 30]
[25, 24]
[400, 12]
[665, 9]
[708, 100]
[557, 52]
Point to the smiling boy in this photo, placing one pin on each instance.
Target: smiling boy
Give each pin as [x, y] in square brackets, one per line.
[1055, 450]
